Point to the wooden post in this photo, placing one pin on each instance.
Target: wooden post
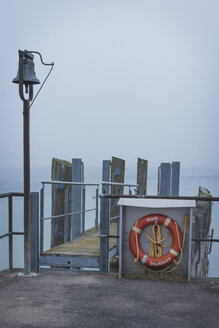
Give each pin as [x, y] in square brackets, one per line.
[117, 175]
[61, 171]
[201, 226]
[76, 198]
[175, 174]
[104, 220]
[142, 172]
[164, 178]
[34, 209]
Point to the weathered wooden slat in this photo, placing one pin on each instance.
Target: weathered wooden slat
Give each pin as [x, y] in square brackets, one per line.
[76, 198]
[142, 172]
[117, 175]
[61, 171]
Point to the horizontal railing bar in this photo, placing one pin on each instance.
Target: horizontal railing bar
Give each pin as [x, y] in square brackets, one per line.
[205, 240]
[108, 236]
[119, 184]
[8, 194]
[5, 235]
[207, 199]
[10, 234]
[70, 183]
[114, 218]
[66, 214]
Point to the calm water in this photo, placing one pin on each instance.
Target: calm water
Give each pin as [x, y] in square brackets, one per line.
[11, 180]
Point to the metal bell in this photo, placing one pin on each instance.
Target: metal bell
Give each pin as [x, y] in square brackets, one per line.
[29, 75]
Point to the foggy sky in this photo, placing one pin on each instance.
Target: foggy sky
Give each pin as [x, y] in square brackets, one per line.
[131, 79]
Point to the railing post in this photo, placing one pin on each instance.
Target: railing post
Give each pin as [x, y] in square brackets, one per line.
[97, 208]
[83, 193]
[66, 216]
[76, 198]
[34, 201]
[41, 218]
[118, 233]
[104, 220]
[10, 230]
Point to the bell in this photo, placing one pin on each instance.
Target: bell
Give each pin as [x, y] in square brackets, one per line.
[29, 75]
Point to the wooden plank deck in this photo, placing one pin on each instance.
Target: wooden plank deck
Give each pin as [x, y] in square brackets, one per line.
[87, 245]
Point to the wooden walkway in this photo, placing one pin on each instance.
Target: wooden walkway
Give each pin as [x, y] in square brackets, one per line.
[87, 245]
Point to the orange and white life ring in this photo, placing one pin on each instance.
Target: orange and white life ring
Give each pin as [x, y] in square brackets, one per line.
[134, 242]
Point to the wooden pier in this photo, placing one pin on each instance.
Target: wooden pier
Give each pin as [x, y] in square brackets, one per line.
[72, 246]
[84, 247]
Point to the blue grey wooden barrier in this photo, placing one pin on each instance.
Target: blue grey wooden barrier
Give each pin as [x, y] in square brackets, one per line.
[164, 176]
[104, 220]
[175, 178]
[34, 199]
[76, 198]
[168, 179]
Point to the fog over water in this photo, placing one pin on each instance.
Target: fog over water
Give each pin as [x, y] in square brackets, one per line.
[131, 79]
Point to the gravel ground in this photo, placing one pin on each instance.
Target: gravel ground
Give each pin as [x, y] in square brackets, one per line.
[65, 299]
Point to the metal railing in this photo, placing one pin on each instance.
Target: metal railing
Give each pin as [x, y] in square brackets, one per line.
[10, 232]
[207, 199]
[66, 214]
[119, 184]
[106, 219]
[210, 239]
[107, 192]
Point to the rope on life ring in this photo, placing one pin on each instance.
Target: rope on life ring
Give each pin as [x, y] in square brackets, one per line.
[134, 240]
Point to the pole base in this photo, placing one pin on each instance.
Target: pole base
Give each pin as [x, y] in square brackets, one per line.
[31, 275]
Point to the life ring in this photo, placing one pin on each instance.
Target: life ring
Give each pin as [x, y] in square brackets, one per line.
[134, 243]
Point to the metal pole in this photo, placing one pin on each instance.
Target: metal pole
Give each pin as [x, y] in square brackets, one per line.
[26, 145]
[10, 230]
[83, 209]
[66, 216]
[41, 218]
[120, 240]
[190, 244]
[104, 220]
[97, 208]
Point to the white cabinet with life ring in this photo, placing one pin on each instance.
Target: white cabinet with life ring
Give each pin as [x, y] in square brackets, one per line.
[155, 235]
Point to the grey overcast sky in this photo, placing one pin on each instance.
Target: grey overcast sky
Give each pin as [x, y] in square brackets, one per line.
[132, 78]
